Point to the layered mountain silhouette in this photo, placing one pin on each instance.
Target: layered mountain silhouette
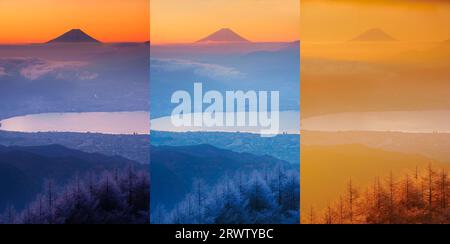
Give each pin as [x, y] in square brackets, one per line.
[74, 36]
[24, 170]
[223, 35]
[374, 35]
[175, 169]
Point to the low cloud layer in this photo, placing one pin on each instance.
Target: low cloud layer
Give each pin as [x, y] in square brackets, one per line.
[213, 71]
[326, 67]
[34, 69]
[3, 72]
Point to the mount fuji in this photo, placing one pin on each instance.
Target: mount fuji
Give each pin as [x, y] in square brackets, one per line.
[74, 36]
[224, 35]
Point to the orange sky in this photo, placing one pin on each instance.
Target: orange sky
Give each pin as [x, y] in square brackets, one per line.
[25, 21]
[183, 21]
[406, 20]
[34, 21]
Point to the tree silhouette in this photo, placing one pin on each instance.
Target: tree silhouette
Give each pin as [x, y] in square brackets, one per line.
[241, 199]
[109, 198]
[408, 200]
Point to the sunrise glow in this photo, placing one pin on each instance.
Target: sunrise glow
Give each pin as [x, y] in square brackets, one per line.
[36, 21]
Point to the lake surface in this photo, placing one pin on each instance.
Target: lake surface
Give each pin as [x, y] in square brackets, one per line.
[96, 122]
[397, 121]
[124, 123]
[139, 122]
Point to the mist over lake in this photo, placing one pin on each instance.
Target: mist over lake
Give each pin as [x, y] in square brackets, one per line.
[398, 121]
[95, 122]
[138, 122]
[126, 123]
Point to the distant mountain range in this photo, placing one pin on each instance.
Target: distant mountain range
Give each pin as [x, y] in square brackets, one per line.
[224, 35]
[74, 36]
[284, 147]
[24, 170]
[374, 35]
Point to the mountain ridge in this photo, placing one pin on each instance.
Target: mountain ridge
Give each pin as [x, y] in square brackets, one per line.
[74, 36]
[224, 35]
[174, 169]
[373, 35]
[24, 170]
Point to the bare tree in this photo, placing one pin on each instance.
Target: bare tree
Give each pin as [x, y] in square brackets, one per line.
[391, 185]
[341, 210]
[443, 189]
[280, 185]
[130, 185]
[430, 190]
[50, 199]
[407, 191]
[199, 193]
[329, 215]
[351, 197]
[11, 215]
[312, 215]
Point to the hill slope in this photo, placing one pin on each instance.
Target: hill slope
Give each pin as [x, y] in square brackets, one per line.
[326, 170]
[174, 169]
[24, 170]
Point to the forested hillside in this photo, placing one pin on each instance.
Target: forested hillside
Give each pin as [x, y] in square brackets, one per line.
[269, 196]
[419, 197]
[115, 197]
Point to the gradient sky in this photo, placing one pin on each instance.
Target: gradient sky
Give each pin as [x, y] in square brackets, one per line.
[34, 21]
[406, 20]
[183, 21]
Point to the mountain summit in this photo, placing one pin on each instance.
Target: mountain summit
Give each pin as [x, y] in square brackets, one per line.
[74, 36]
[223, 35]
[374, 35]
